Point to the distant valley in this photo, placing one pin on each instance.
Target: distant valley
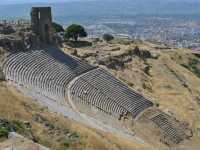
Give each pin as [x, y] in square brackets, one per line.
[175, 23]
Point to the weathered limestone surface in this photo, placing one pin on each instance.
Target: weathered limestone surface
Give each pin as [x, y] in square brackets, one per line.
[18, 142]
[41, 23]
[21, 41]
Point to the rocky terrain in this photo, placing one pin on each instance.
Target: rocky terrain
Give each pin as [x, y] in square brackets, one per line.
[169, 77]
[22, 115]
[18, 142]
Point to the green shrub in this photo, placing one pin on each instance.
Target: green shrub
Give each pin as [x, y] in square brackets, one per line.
[74, 136]
[70, 139]
[197, 55]
[108, 37]
[67, 143]
[192, 66]
[18, 126]
[4, 132]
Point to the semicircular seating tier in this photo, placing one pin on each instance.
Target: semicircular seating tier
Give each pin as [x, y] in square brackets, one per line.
[42, 73]
[170, 128]
[101, 89]
[60, 77]
[50, 76]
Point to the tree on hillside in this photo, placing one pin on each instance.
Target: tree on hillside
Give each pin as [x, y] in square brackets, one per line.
[108, 37]
[75, 31]
[57, 27]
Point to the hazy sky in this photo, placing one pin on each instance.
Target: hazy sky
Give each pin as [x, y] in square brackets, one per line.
[25, 1]
[52, 1]
[29, 1]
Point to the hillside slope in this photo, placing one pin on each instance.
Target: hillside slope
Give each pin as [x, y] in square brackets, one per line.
[53, 130]
[169, 77]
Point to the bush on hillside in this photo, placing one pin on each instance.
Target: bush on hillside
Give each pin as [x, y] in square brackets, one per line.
[4, 132]
[108, 37]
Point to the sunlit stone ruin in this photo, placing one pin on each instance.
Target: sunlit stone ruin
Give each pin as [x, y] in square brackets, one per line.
[41, 23]
[85, 88]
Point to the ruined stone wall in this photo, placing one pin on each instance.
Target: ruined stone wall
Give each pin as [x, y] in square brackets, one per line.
[41, 22]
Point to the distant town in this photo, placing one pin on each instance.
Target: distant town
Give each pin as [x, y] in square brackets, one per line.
[170, 31]
[179, 33]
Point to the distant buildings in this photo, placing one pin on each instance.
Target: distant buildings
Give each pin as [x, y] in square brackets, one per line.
[174, 32]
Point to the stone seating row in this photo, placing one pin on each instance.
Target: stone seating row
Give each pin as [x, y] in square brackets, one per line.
[116, 91]
[83, 92]
[169, 128]
[40, 72]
